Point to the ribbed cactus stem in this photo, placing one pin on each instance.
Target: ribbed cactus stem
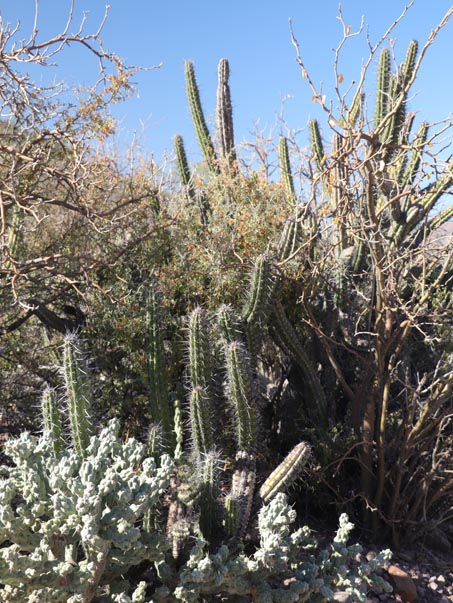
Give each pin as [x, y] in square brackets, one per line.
[408, 66]
[183, 165]
[289, 239]
[201, 129]
[285, 169]
[52, 424]
[156, 441]
[262, 284]
[239, 506]
[413, 164]
[382, 87]
[200, 351]
[241, 396]
[210, 491]
[201, 421]
[229, 324]
[225, 115]
[231, 515]
[179, 429]
[286, 473]
[157, 370]
[288, 339]
[78, 393]
[356, 108]
[316, 143]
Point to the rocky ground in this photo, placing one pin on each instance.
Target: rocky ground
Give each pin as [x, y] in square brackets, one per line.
[420, 575]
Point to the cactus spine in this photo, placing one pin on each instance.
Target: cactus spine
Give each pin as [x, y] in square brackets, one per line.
[286, 473]
[201, 129]
[78, 393]
[52, 424]
[225, 115]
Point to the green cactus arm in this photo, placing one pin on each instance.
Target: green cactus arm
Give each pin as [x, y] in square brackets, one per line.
[201, 129]
[78, 393]
[286, 473]
[225, 115]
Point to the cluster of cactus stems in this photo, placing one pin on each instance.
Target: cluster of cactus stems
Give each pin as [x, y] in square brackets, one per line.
[96, 508]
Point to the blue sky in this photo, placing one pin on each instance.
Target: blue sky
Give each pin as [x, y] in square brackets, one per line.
[265, 78]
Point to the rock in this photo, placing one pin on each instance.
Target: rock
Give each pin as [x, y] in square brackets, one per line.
[341, 597]
[403, 584]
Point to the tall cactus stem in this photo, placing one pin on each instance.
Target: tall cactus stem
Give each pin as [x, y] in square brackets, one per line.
[229, 324]
[286, 473]
[78, 393]
[259, 298]
[382, 87]
[200, 352]
[285, 169]
[179, 429]
[52, 423]
[183, 165]
[201, 422]
[238, 507]
[408, 66]
[225, 116]
[415, 158]
[288, 339]
[242, 396]
[201, 129]
[210, 491]
[316, 143]
[157, 370]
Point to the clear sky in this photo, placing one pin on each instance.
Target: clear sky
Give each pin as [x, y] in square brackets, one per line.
[254, 35]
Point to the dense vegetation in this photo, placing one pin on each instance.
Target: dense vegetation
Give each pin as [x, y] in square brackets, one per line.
[311, 329]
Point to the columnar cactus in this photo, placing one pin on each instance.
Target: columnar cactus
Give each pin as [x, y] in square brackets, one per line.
[225, 116]
[52, 423]
[78, 392]
[157, 378]
[201, 129]
[286, 473]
